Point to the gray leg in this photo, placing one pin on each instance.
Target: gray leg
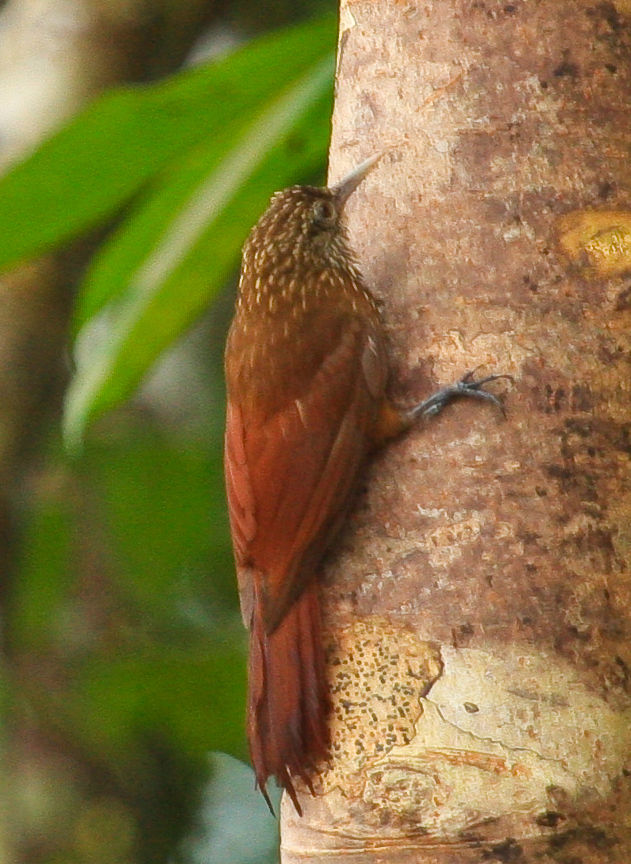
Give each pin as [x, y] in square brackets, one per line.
[468, 386]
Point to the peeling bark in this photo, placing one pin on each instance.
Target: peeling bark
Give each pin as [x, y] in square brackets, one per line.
[479, 602]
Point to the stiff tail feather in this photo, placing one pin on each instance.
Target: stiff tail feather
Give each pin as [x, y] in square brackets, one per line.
[288, 703]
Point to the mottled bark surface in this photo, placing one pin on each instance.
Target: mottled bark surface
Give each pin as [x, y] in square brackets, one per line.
[479, 602]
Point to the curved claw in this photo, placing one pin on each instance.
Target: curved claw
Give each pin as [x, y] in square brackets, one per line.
[466, 386]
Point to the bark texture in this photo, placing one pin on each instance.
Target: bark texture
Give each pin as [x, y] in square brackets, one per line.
[479, 602]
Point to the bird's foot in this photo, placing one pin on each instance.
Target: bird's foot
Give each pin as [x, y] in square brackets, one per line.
[468, 386]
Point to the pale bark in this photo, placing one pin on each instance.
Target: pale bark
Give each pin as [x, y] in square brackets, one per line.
[479, 602]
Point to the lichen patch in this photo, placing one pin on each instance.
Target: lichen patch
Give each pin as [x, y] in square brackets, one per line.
[599, 240]
[378, 674]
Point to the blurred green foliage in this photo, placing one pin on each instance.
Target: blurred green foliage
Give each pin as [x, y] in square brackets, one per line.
[127, 648]
[198, 155]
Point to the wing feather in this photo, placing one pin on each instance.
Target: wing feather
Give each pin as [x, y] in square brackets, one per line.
[290, 474]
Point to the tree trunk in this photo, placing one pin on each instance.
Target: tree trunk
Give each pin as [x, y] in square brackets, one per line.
[479, 602]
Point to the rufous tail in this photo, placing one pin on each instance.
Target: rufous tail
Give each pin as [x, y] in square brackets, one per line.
[288, 703]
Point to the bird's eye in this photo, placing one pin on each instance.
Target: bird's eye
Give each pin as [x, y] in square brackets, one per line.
[324, 214]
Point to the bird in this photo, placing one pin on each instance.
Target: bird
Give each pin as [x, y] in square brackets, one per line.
[306, 366]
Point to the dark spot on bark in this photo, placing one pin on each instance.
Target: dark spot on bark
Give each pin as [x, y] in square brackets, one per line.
[605, 189]
[602, 540]
[626, 674]
[554, 399]
[528, 536]
[578, 427]
[597, 838]
[510, 9]
[609, 355]
[610, 14]
[559, 472]
[558, 841]
[471, 838]
[543, 84]
[343, 41]
[581, 398]
[508, 850]
[622, 441]
[615, 630]
[611, 67]
[566, 69]
[541, 492]
[549, 819]
[580, 635]
[559, 396]
[624, 300]
[461, 635]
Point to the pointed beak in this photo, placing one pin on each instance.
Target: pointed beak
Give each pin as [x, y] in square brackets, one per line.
[345, 188]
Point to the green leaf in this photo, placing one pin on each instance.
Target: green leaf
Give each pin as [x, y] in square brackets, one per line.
[196, 696]
[168, 281]
[86, 171]
[165, 524]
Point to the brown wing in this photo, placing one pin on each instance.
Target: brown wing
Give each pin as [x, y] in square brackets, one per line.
[289, 475]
